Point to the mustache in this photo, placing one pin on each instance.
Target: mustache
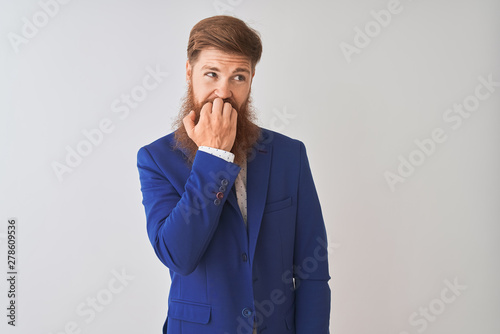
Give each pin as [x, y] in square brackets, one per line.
[230, 100]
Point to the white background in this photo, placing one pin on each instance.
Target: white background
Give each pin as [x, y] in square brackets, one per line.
[391, 249]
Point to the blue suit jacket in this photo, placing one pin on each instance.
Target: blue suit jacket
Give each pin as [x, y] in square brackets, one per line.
[226, 276]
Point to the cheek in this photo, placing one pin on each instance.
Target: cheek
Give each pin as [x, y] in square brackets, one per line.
[201, 92]
[241, 95]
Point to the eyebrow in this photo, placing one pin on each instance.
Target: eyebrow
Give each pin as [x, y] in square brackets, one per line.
[215, 69]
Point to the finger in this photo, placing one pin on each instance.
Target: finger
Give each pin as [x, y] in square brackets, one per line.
[227, 110]
[192, 115]
[189, 122]
[207, 107]
[234, 117]
[217, 106]
[205, 112]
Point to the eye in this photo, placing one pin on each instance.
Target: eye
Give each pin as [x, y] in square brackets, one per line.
[211, 74]
[240, 77]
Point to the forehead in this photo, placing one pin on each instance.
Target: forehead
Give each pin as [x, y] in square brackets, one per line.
[221, 59]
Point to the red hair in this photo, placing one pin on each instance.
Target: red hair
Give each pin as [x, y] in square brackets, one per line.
[227, 34]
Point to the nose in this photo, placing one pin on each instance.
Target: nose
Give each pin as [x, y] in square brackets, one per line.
[223, 90]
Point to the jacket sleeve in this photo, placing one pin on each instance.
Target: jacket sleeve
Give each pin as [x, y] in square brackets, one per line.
[181, 225]
[312, 294]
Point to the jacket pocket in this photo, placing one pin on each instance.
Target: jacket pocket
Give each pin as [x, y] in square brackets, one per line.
[275, 206]
[188, 311]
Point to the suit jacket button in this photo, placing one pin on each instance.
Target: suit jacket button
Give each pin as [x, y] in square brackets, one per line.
[220, 195]
[246, 312]
[224, 182]
[217, 201]
[222, 188]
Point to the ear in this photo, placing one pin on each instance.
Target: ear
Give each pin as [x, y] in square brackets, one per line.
[188, 71]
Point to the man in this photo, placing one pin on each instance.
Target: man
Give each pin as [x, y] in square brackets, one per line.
[231, 208]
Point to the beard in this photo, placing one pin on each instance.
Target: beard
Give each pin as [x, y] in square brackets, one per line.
[247, 133]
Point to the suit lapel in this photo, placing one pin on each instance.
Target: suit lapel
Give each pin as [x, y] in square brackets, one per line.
[258, 171]
[231, 198]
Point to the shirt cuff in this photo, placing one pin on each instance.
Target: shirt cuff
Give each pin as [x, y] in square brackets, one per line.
[228, 156]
